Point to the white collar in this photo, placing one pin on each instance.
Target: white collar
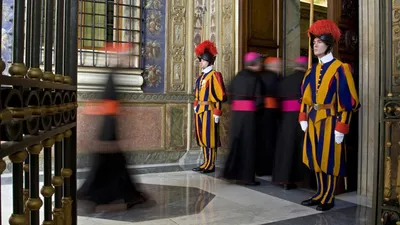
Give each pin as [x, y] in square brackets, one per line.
[207, 69]
[326, 58]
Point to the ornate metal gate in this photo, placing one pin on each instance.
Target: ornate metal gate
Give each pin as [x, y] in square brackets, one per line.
[38, 111]
[387, 202]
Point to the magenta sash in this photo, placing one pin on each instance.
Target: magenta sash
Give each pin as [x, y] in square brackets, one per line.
[290, 105]
[244, 105]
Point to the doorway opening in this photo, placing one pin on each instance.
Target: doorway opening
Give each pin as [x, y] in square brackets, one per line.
[279, 28]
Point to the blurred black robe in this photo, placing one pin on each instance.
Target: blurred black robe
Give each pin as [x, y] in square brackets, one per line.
[267, 123]
[288, 165]
[109, 179]
[240, 164]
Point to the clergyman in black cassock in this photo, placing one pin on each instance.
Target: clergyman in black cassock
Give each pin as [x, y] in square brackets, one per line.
[244, 95]
[109, 179]
[288, 163]
[268, 117]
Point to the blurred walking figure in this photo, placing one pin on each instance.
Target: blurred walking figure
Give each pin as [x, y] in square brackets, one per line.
[244, 94]
[288, 164]
[109, 179]
[267, 117]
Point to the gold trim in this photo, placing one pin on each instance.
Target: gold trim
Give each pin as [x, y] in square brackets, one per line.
[34, 204]
[67, 206]
[58, 216]
[17, 219]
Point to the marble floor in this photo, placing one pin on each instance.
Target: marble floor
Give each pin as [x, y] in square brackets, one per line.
[179, 196]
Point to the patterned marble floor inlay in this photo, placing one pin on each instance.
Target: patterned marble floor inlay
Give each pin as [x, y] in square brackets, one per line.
[180, 196]
[356, 215]
[164, 202]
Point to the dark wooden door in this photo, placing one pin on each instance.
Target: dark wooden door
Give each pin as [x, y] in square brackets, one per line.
[347, 51]
[260, 27]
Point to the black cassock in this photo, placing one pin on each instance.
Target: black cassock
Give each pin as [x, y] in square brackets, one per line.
[240, 165]
[109, 179]
[267, 125]
[288, 166]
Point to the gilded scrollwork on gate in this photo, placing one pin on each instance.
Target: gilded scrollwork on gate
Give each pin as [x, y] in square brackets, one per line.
[396, 47]
[390, 196]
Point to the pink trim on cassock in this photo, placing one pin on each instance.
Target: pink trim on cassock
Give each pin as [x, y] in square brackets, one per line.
[290, 105]
[244, 105]
[301, 60]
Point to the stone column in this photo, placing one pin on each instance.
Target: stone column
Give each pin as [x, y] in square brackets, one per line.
[369, 57]
[292, 33]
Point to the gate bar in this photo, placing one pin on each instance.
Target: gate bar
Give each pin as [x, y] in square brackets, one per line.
[35, 72]
[18, 69]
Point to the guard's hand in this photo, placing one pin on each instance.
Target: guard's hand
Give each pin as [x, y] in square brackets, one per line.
[304, 125]
[216, 118]
[339, 137]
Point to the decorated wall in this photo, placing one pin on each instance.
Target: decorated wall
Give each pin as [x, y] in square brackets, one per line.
[6, 32]
[154, 46]
[156, 123]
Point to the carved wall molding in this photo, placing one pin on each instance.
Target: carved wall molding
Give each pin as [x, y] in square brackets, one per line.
[176, 44]
[92, 79]
[199, 15]
[228, 39]
[213, 22]
[137, 97]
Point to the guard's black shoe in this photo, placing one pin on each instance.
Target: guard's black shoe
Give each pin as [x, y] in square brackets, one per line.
[197, 169]
[208, 171]
[325, 207]
[310, 202]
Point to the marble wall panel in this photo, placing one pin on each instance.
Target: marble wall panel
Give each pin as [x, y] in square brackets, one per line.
[176, 127]
[139, 127]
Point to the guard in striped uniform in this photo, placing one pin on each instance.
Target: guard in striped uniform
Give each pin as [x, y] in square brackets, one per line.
[209, 95]
[329, 98]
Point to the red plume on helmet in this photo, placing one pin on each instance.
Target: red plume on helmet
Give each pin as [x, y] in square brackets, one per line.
[206, 46]
[321, 27]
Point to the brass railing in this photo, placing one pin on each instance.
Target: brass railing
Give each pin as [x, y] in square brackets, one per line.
[38, 112]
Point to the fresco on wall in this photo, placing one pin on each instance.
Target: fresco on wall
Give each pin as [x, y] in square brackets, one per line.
[154, 46]
[6, 33]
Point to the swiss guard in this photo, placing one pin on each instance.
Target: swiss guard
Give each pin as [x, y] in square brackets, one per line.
[209, 95]
[329, 98]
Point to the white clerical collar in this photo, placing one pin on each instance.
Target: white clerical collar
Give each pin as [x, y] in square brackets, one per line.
[207, 69]
[326, 58]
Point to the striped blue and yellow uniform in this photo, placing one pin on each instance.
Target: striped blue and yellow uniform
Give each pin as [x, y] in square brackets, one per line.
[209, 95]
[329, 97]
